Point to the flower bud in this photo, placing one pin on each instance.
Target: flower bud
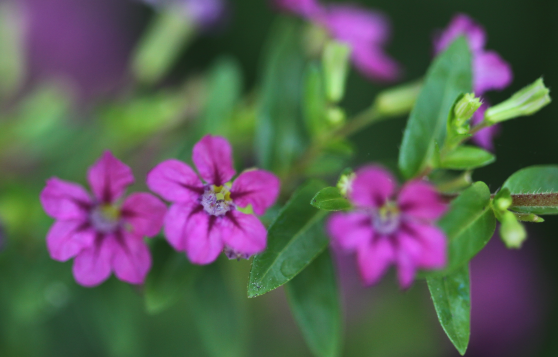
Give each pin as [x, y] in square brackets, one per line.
[503, 199]
[345, 183]
[399, 100]
[527, 101]
[511, 231]
[336, 67]
[465, 108]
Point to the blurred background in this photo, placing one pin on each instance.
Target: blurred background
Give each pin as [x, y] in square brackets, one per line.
[67, 93]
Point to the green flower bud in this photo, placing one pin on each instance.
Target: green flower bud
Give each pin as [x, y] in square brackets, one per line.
[527, 101]
[345, 183]
[336, 67]
[503, 199]
[511, 231]
[465, 108]
[336, 116]
[399, 100]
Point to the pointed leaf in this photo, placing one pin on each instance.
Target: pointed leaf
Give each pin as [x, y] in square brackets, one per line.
[531, 180]
[466, 158]
[294, 239]
[448, 76]
[314, 301]
[330, 199]
[452, 300]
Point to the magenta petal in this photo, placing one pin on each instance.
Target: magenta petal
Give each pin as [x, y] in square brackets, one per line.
[244, 233]
[419, 199]
[374, 63]
[462, 25]
[350, 231]
[490, 72]
[203, 237]
[374, 259]
[372, 187]
[433, 243]
[109, 178]
[258, 188]
[355, 24]
[175, 181]
[65, 200]
[175, 224]
[92, 265]
[213, 158]
[406, 269]
[65, 239]
[144, 213]
[131, 259]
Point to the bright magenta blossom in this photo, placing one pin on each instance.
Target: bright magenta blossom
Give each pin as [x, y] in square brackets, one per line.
[385, 228]
[102, 234]
[365, 31]
[204, 219]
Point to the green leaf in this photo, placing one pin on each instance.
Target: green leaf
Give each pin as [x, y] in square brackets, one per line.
[314, 301]
[469, 225]
[294, 239]
[452, 301]
[168, 279]
[531, 180]
[219, 314]
[467, 157]
[330, 199]
[225, 89]
[449, 76]
[279, 125]
[315, 102]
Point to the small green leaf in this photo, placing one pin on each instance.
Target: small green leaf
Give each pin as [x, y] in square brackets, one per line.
[314, 301]
[534, 180]
[469, 225]
[330, 199]
[219, 313]
[168, 279]
[294, 239]
[448, 76]
[452, 301]
[466, 158]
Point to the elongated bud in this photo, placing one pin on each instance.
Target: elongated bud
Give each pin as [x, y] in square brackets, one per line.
[503, 199]
[336, 67]
[465, 108]
[511, 231]
[399, 100]
[527, 101]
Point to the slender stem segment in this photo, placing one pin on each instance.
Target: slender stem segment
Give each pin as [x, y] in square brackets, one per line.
[535, 200]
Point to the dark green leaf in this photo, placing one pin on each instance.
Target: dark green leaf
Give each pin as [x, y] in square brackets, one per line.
[279, 124]
[535, 179]
[314, 301]
[452, 301]
[469, 225]
[330, 199]
[219, 314]
[449, 76]
[294, 239]
[168, 279]
[467, 157]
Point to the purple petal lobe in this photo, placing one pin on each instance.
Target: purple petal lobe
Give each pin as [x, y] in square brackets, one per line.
[491, 72]
[258, 188]
[203, 237]
[406, 268]
[350, 231]
[374, 63]
[131, 259]
[92, 265]
[420, 200]
[484, 137]
[462, 25]
[65, 200]
[374, 259]
[372, 187]
[175, 224]
[109, 178]
[354, 24]
[213, 158]
[144, 213]
[432, 245]
[175, 181]
[66, 239]
[244, 233]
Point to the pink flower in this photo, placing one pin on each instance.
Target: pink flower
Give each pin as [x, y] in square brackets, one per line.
[365, 31]
[204, 219]
[102, 234]
[490, 71]
[385, 228]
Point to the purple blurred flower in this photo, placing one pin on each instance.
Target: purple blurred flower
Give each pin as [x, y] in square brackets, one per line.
[383, 230]
[205, 13]
[100, 233]
[490, 71]
[365, 31]
[204, 219]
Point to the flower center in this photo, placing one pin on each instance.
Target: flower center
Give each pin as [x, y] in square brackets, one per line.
[105, 218]
[387, 219]
[216, 200]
